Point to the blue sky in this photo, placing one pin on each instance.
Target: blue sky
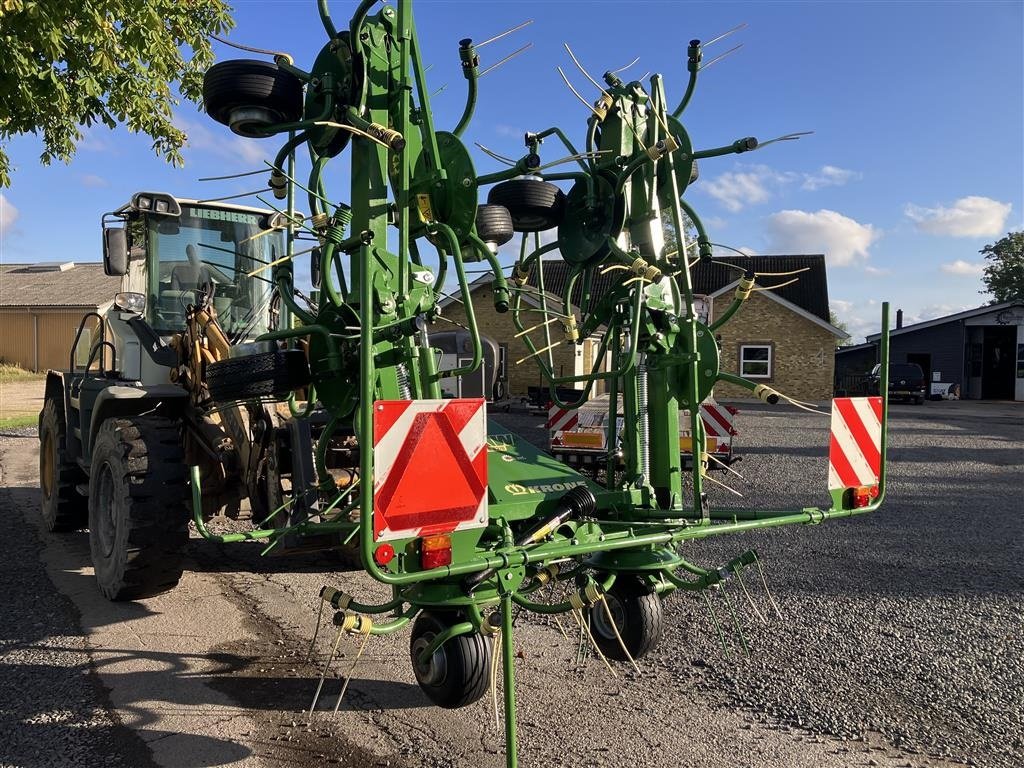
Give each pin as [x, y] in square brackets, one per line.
[917, 160]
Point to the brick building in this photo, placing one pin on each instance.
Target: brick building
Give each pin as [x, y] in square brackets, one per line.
[779, 337]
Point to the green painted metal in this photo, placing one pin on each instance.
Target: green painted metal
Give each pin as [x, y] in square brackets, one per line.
[415, 188]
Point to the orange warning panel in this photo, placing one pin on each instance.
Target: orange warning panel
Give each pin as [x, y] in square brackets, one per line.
[430, 467]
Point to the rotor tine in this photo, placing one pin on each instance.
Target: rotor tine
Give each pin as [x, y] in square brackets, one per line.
[439, 91]
[623, 69]
[787, 137]
[494, 678]
[714, 619]
[735, 619]
[721, 56]
[232, 197]
[508, 58]
[618, 636]
[495, 155]
[500, 35]
[576, 93]
[737, 28]
[585, 623]
[757, 611]
[323, 673]
[352, 669]
[581, 69]
[233, 175]
[764, 583]
[316, 632]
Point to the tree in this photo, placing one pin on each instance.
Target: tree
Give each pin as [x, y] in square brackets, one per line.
[1004, 275]
[833, 318]
[70, 64]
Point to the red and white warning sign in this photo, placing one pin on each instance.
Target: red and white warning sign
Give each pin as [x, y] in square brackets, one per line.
[430, 467]
[854, 454]
[718, 419]
[560, 419]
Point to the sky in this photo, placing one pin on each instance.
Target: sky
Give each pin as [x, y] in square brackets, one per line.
[915, 164]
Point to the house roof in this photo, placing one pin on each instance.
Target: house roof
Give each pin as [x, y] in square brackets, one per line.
[965, 315]
[809, 292]
[56, 285]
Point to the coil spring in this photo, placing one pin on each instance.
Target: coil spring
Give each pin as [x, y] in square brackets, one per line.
[404, 387]
[642, 425]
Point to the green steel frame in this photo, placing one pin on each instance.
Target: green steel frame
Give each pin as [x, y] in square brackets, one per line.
[366, 341]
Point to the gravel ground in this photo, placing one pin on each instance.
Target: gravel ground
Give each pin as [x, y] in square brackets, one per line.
[54, 711]
[900, 643]
[906, 623]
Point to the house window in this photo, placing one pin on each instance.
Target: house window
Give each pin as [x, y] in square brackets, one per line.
[756, 361]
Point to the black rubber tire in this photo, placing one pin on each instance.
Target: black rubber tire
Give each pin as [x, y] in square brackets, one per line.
[534, 205]
[694, 173]
[63, 507]
[138, 519]
[240, 83]
[638, 615]
[459, 671]
[494, 224]
[267, 374]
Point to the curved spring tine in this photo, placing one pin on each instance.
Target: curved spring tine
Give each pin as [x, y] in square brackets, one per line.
[737, 28]
[508, 58]
[787, 137]
[500, 35]
[720, 56]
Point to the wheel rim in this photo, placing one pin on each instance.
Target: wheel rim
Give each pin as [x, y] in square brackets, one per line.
[434, 671]
[47, 465]
[107, 525]
[599, 617]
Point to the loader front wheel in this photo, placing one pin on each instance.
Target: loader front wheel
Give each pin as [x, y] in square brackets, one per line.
[138, 521]
[63, 508]
[637, 612]
[458, 672]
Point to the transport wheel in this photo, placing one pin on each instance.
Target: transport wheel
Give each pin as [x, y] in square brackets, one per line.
[265, 92]
[138, 521]
[494, 224]
[694, 172]
[458, 672]
[63, 508]
[534, 205]
[637, 611]
[266, 374]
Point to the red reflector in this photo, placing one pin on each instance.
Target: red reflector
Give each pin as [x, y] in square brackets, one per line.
[863, 496]
[384, 554]
[436, 551]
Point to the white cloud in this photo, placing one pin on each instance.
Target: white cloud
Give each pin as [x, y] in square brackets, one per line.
[932, 311]
[223, 143]
[734, 190]
[509, 131]
[972, 216]
[92, 180]
[842, 239]
[876, 271]
[8, 214]
[829, 176]
[961, 267]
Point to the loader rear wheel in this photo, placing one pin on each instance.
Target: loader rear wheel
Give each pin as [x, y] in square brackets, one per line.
[63, 508]
[457, 673]
[637, 612]
[138, 521]
[266, 374]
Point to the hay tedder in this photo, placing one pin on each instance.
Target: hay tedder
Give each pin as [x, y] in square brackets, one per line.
[464, 520]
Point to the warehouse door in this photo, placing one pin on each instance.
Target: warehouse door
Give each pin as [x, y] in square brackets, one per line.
[997, 375]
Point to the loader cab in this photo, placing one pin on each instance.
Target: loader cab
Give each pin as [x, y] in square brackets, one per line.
[177, 252]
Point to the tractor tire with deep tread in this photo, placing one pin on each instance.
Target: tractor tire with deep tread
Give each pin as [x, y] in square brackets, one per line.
[267, 374]
[241, 83]
[694, 172]
[638, 615]
[63, 507]
[459, 671]
[138, 519]
[535, 206]
[494, 224]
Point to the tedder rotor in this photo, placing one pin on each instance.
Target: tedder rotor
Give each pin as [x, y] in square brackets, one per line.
[461, 518]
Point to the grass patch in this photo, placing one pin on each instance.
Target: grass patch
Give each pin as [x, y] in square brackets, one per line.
[21, 420]
[9, 373]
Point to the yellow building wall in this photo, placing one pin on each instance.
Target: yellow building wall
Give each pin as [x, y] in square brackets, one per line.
[40, 340]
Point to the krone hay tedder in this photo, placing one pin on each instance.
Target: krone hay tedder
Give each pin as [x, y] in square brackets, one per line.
[462, 519]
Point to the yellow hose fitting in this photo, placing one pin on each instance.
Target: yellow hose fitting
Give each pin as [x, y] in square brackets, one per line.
[521, 275]
[389, 136]
[744, 289]
[763, 392]
[572, 333]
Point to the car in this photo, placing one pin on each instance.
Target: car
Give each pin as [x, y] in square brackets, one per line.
[906, 382]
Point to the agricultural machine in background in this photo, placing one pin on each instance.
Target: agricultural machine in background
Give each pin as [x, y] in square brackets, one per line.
[461, 518]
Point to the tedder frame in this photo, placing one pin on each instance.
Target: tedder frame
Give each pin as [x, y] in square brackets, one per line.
[504, 519]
